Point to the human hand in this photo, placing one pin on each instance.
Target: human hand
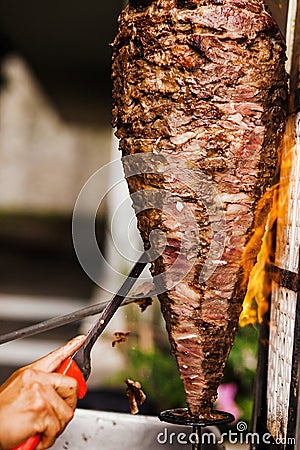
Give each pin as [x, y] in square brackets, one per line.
[34, 400]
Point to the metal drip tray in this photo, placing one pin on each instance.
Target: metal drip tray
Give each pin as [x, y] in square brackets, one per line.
[94, 430]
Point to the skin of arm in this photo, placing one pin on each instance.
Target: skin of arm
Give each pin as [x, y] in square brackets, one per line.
[35, 399]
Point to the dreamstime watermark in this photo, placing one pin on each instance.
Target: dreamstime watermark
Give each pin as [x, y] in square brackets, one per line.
[193, 190]
[232, 436]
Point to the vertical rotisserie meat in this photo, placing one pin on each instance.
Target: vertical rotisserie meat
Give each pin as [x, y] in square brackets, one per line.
[200, 89]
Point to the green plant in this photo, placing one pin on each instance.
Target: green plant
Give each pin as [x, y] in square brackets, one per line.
[241, 368]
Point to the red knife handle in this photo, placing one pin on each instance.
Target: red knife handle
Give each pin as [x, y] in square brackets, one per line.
[70, 368]
[30, 444]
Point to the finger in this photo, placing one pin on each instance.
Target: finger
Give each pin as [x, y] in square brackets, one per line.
[65, 386]
[53, 360]
[55, 418]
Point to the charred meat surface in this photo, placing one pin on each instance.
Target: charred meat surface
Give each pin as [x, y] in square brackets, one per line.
[200, 86]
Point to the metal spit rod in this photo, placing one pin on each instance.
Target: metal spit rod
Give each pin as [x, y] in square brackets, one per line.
[57, 322]
[75, 316]
[197, 431]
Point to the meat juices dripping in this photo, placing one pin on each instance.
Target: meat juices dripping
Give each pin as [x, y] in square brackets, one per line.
[202, 86]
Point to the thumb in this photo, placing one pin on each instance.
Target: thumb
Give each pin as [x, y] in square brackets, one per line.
[53, 360]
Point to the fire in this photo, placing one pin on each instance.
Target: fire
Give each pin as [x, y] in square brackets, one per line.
[256, 301]
[255, 304]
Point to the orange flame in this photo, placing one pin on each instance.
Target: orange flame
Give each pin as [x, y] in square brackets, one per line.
[254, 262]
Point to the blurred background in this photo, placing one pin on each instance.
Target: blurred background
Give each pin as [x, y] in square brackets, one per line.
[55, 132]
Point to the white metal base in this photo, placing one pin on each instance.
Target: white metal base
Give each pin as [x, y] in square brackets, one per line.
[95, 430]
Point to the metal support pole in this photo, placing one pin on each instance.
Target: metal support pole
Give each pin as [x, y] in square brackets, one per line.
[197, 432]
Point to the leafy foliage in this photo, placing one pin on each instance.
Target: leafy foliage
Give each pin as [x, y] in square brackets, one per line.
[241, 368]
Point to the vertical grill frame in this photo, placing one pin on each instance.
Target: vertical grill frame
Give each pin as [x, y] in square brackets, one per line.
[284, 273]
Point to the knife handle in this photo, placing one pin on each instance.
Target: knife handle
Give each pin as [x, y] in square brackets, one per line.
[70, 368]
[30, 444]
